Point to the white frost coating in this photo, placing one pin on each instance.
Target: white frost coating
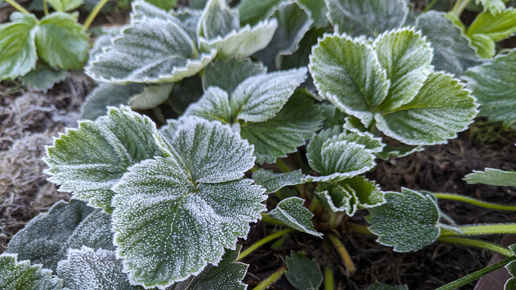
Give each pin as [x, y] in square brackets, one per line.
[144, 10]
[492, 176]
[227, 74]
[14, 273]
[292, 213]
[212, 106]
[493, 6]
[217, 19]
[276, 181]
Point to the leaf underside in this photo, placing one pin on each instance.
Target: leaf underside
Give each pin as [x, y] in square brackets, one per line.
[292, 213]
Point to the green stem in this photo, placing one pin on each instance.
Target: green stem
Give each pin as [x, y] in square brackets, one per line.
[328, 278]
[335, 219]
[271, 279]
[282, 166]
[461, 198]
[459, 7]
[476, 275]
[266, 218]
[341, 249]
[94, 13]
[481, 230]
[45, 7]
[18, 7]
[263, 242]
[358, 229]
[478, 244]
[430, 5]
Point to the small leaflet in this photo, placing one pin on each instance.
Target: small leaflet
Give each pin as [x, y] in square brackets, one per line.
[489, 28]
[14, 274]
[217, 20]
[212, 106]
[47, 238]
[273, 182]
[292, 213]
[108, 95]
[408, 221]
[302, 272]
[492, 176]
[228, 73]
[86, 268]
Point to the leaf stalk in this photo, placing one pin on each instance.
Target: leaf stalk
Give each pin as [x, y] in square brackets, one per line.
[18, 7]
[473, 201]
[478, 244]
[341, 249]
[271, 279]
[487, 229]
[263, 242]
[94, 13]
[328, 279]
[459, 7]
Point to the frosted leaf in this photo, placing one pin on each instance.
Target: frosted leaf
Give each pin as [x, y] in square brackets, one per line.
[168, 226]
[87, 269]
[493, 85]
[297, 121]
[452, 50]
[397, 152]
[380, 286]
[142, 10]
[510, 284]
[366, 17]
[489, 28]
[493, 6]
[189, 19]
[228, 73]
[228, 274]
[293, 22]
[242, 42]
[318, 10]
[353, 79]
[406, 57]
[106, 95]
[302, 272]
[90, 160]
[252, 11]
[47, 238]
[273, 182]
[492, 176]
[292, 213]
[371, 143]
[261, 97]
[148, 51]
[151, 97]
[408, 221]
[218, 19]
[212, 106]
[16, 275]
[332, 116]
[43, 77]
[104, 41]
[441, 108]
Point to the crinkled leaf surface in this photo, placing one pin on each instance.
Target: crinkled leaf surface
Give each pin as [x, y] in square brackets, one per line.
[106, 95]
[174, 215]
[292, 213]
[380, 286]
[90, 160]
[228, 73]
[87, 268]
[17, 47]
[47, 238]
[43, 77]
[494, 86]
[302, 272]
[273, 182]
[492, 28]
[408, 221]
[212, 106]
[151, 97]
[452, 50]
[16, 275]
[366, 17]
[228, 274]
[252, 11]
[218, 19]
[492, 176]
[61, 41]
[494, 6]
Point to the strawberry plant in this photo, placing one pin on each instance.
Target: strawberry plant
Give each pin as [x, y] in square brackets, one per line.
[243, 90]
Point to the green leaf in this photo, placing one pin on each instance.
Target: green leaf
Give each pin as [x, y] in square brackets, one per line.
[189, 20]
[484, 45]
[43, 77]
[292, 213]
[212, 106]
[164, 4]
[90, 160]
[441, 108]
[379, 286]
[302, 272]
[366, 17]
[106, 95]
[228, 73]
[179, 201]
[144, 10]
[228, 274]
[397, 152]
[47, 237]
[511, 283]
[259, 98]
[318, 10]
[488, 29]
[61, 41]
[151, 97]
[16, 275]
[65, 5]
[492, 176]
[452, 50]
[297, 121]
[17, 47]
[148, 51]
[273, 182]
[493, 6]
[252, 11]
[353, 79]
[90, 269]
[493, 85]
[293, 22]
[408, 221]
[218, 20]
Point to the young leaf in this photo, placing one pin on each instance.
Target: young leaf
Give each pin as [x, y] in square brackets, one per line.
[493, 6]
[273, 182]
[228, 73]
[43, 77]
[65, 5]
[302, 272]
[16, 275]
[90, 269]
[17, 47]
[452, 50]
[252, 11]
[218, 19]
[47, 238]
[366, 17]
[61, 41]
[492, 176]
[408, 220]
[228, 274]
[488, 29]
[151, 97]
[91, 159]
[292, 213]
[106, 95]
[212, 106]
[492, 84]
